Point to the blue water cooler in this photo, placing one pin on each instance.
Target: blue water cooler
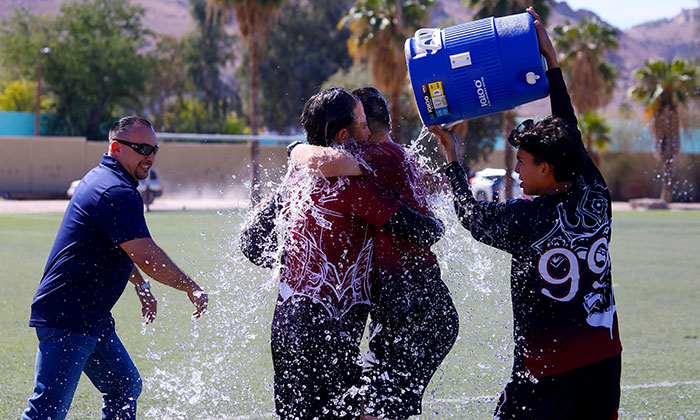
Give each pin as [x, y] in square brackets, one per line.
[476, 68]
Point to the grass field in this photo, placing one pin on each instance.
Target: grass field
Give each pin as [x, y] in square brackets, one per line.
[219, 367]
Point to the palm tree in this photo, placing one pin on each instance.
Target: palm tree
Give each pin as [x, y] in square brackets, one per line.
[663, 88]
[379, 29]
[500, 8]
[582, 49]
[253, 18]
[595, 130]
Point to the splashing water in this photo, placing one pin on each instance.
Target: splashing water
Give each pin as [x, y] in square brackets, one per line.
[220, 367]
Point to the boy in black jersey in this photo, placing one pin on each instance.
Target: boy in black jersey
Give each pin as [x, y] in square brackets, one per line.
[567, 346]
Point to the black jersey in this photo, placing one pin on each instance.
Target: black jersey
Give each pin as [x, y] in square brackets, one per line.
[561, 284]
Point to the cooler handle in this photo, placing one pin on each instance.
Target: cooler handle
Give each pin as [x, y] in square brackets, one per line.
[427, 39]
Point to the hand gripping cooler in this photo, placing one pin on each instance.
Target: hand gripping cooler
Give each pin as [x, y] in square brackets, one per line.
[476, 68]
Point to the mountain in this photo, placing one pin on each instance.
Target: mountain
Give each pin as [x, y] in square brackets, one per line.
[162, 16]
[663, 38]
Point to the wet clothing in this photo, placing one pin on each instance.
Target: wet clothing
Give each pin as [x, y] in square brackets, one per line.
[561, 284]
[85, 275]
[596, 388]
[328, 244]
[414, 321]
[316, 360]
[325, 280]
[87, 271]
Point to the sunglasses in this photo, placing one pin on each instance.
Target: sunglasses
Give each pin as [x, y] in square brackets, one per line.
[141, 148]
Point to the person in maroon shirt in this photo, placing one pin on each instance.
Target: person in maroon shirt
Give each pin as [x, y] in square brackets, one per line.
[325, 271]
[567, 353]
[414, 321]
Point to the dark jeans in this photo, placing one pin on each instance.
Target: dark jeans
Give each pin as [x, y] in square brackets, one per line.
[588, 393]
[316, 360]
[64, 355]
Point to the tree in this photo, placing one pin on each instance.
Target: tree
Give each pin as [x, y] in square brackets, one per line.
[95, 66]
[207, 50]
[20, 96]
[581, 49]
[379, 30]
[21, 37]
[253, 18]
[663, 88]
[303, 51]
[166, 79]
[595, 130]
[500, 8]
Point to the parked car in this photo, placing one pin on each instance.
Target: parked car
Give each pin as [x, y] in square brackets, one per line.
[150, 188]
[488, 185]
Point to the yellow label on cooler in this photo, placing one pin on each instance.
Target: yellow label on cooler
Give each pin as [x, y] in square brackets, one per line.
[436, 89]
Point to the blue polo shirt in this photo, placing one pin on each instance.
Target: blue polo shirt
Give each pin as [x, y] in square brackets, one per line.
[87, 271]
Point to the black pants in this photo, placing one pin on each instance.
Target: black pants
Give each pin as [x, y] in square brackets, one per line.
[403, 356]
[316, 360]
[588, 393]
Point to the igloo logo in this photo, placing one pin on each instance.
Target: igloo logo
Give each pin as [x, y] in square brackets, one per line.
[481, 92]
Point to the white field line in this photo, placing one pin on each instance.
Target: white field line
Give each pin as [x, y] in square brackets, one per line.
[488, 398]
[664, 384]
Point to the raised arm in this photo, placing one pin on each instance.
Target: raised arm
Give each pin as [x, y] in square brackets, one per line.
[327, 161]
[154, 262]
[558, 95]
[489, 222]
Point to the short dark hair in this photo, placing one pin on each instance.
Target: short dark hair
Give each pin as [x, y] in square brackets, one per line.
[376, 108]
[554, 141]
[124, 125]
[326, 113]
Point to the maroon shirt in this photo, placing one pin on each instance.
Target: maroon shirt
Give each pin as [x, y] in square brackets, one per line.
[329, 241]
[391, 167]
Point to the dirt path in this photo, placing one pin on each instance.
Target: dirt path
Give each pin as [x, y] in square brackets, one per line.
[59, 206]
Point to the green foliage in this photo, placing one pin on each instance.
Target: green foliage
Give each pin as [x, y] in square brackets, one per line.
[379, 29]
[658, 81]
[663, 88]
[21, 37]
[20, 95]
[355, 77]
[595, 129]
[206, 51]
[302, 52]
[582, 49]
[185, 77]
[166, 78]
[498, 8]
[94, 68]
[191, 115]
[367, 18]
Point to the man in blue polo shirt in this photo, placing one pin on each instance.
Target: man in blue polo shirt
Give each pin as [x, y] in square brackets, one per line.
[102, 239]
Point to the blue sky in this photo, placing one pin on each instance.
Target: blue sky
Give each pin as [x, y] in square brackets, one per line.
[627, 13]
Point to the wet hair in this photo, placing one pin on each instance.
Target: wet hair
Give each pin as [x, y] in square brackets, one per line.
[125, 124]
[554, 141]
[326, 113]
[376, 109]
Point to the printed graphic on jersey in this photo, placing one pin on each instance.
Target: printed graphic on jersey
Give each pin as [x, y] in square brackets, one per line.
[576, 249]
[308, 271]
